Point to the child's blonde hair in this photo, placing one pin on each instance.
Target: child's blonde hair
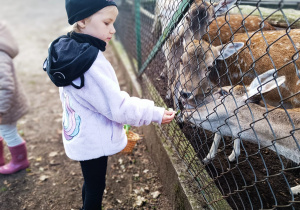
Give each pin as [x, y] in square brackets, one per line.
[76, 28]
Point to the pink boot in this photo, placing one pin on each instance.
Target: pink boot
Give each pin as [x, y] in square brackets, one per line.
[18, 159]
[2, 160]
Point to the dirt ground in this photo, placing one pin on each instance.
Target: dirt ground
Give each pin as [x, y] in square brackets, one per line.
[53, 181]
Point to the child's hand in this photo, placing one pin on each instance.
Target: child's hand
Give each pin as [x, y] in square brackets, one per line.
[168, 117]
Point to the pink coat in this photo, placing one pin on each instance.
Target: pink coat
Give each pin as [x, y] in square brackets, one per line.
[13, 102]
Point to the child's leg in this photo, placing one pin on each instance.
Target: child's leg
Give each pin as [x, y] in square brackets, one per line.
[17, 148]
[83, 194]
[94, 172]
[2, 161]
[10, 134]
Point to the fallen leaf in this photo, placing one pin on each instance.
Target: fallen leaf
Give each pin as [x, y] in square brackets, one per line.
[120, 161]
[39, 159]
[53, 154]
[155, 194]
[137, 191]
[140, 201]
[53, 163]
[43, 178]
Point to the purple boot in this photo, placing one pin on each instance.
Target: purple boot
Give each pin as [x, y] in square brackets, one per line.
[18, 161]
[2, 160]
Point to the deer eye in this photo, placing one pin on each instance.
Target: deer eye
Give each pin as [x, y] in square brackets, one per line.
[210, 68]
[223, 93]
[180, 61]
[188, 18]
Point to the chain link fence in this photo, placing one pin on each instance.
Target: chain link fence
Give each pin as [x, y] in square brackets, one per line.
[231, 68]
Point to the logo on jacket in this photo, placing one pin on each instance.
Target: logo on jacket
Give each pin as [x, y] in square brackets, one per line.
[71, 120]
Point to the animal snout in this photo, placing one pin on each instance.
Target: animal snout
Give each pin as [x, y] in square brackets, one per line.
[185, 95]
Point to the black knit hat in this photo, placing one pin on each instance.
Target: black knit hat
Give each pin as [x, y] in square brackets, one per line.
[79, 9]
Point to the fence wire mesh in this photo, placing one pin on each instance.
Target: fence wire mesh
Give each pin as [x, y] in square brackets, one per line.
[232, 69]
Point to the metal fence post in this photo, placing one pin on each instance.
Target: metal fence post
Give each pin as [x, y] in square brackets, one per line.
[137, 6]
[178, 15]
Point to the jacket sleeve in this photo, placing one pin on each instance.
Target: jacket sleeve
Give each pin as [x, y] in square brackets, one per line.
[103, 94]
[7, 83]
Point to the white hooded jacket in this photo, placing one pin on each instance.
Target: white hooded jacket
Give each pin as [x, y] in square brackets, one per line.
[94, 115]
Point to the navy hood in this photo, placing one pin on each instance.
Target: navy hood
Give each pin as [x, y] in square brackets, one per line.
[69, 58]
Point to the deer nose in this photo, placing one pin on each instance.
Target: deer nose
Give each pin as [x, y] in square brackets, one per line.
[185, 95]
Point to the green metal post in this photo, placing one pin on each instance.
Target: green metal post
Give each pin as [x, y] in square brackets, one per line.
[137, 5]
[178, 15]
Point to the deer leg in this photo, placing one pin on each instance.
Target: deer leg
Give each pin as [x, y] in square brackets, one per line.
[166, 52]
[167, 71]
[213, 149]
[236, 150]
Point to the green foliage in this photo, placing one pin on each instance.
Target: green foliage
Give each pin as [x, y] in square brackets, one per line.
[3, 189]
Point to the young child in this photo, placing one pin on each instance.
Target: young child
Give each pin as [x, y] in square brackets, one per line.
[13, 105]
[94, 107]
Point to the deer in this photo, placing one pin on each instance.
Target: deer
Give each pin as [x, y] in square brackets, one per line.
[199, 15]
[222, 28]
[204, 66]
[193, 26]
[203, 69]
[236, 111]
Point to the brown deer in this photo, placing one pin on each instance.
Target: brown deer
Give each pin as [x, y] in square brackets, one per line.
[195, 20]
[204, 66]
[221, 29]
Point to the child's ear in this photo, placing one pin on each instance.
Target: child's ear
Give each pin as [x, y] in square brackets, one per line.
[81, 23]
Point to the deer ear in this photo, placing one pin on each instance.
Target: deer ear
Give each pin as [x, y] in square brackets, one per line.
[223, 6]
[157, 27]
[264, 83]
[188, 38]
[229, 50]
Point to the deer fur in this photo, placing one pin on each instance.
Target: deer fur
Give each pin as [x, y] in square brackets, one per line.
[204, 66]
[238, 116]
[195, 20]
[221, 29]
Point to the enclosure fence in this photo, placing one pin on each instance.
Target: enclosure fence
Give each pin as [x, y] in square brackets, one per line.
[231, 70]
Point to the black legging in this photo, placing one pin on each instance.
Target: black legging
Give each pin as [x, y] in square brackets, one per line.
[94, 172]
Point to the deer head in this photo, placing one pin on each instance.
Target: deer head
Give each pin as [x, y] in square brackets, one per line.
[196, 65]
[227, 100]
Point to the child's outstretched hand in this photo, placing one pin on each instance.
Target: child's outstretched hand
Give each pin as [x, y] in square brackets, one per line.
[168, 116]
